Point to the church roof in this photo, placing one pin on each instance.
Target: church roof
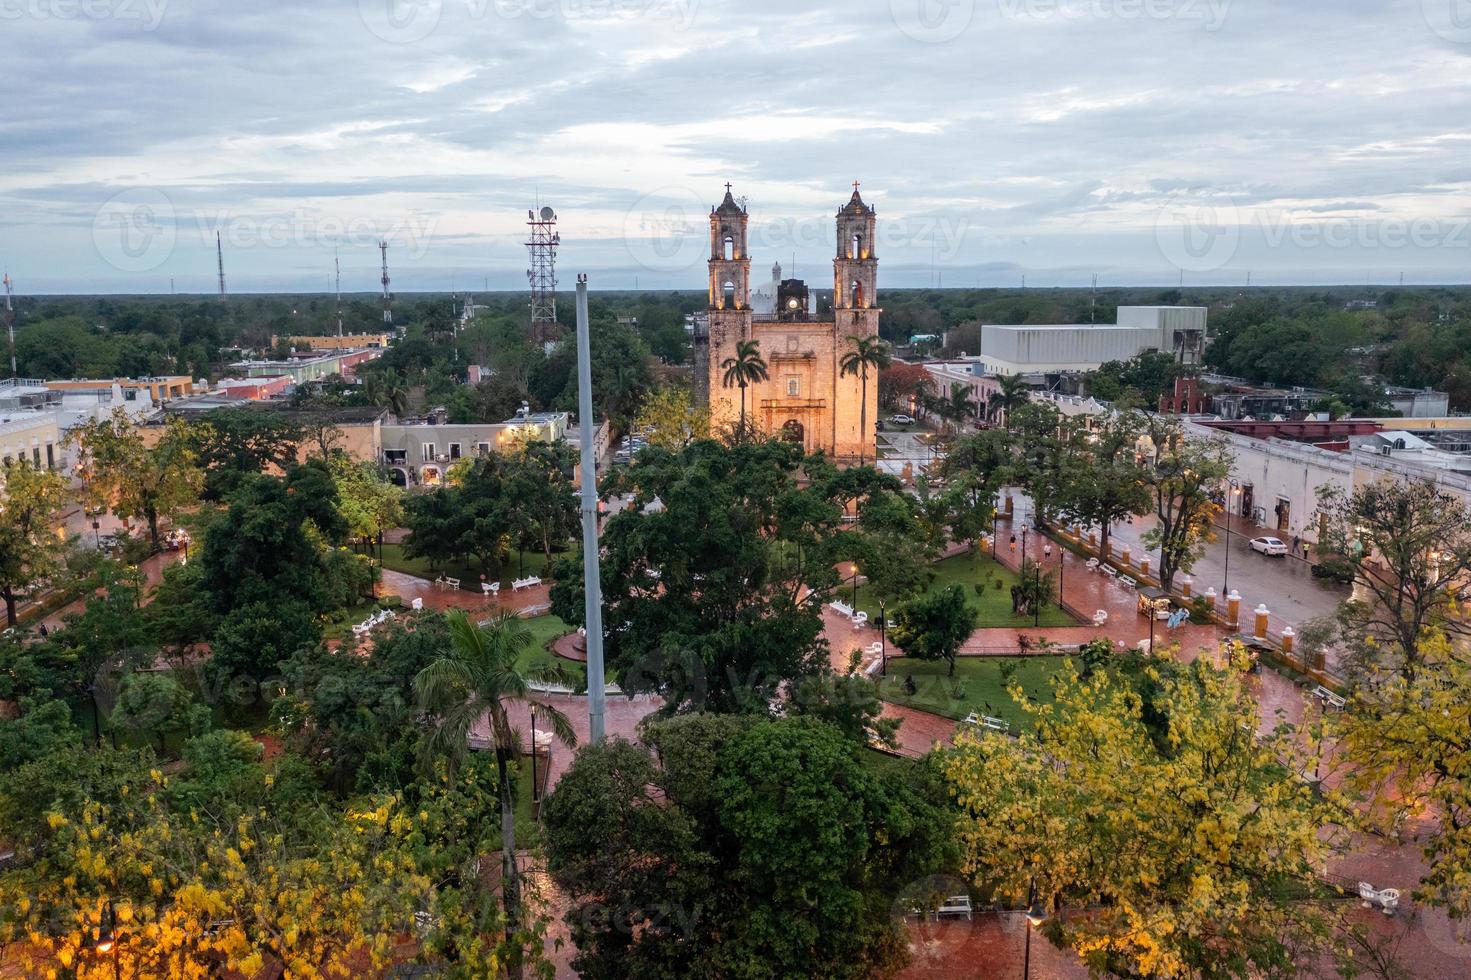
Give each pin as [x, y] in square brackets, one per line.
[855, 203]
[729, 205]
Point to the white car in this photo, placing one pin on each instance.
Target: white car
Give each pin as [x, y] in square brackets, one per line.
[900, 420]
[1269, 546]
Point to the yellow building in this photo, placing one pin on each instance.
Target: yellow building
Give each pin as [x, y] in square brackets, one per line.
[159, 389]
[806, 397]
[357, 341]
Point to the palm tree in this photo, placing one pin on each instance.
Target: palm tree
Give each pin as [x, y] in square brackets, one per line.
[744, 369]
[959, 404]
[867, 352]
[373, 388]
[476, 678]
[396, 396]
[1012, 394]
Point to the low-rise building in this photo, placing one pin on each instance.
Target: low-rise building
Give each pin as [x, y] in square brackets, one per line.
[356, 341]
[159, 389]
[253, 388]
[420, 452]
[33, 437]
[1061, 348]
[303, 369]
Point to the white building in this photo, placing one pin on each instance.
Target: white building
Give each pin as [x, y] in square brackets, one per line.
[1279, 478]
[1061, 348]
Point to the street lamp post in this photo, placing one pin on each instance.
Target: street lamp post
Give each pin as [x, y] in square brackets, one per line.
[1036, 915]
[855, 586]
[1232, 491]
[533, 754]
[107, 938]
[1037, 594]
[97, 532]
[883, 642]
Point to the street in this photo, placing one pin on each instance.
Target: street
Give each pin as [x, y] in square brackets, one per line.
[1284, 584]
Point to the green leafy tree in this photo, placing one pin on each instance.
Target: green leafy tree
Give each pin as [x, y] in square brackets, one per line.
[154, 705]
[253, 638]
[1104, 479]
[1182, 481]
[934, 626]
[707, 593]
[235, 443]
[31, 541]
[135, 479]
[868, 354]
[477, 678]
[367, 503]
[739, 849]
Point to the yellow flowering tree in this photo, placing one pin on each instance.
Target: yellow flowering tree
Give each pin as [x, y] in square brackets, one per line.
[137, 889]
[1405, 743]
[671, 419]
[1166, 837]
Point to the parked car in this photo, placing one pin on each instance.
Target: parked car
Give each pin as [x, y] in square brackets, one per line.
[901, 420]
[1269, 546]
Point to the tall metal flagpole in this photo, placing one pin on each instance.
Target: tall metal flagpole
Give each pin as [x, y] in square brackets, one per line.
[591, 573]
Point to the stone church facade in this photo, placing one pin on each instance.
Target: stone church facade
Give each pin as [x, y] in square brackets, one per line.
[807, 398]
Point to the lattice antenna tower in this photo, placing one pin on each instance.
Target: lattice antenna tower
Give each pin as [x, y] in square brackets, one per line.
[220, 258]
[10, 319]
[387, 296]
[337, 275]
[542, 244]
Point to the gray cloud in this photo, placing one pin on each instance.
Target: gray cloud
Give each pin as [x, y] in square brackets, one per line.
[997, 137]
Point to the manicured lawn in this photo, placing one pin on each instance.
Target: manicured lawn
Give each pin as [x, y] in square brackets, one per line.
[993, 604]
[978, 685]
[467, 573]
[544, 629]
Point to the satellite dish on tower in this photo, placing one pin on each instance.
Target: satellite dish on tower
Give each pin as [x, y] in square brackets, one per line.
[547, 214]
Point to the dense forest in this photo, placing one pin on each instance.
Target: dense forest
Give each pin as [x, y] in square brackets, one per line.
[1327, 338]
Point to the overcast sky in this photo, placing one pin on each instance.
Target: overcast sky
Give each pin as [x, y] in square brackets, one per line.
[1298, 141]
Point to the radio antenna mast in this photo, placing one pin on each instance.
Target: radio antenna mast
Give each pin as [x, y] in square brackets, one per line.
[337, 270]
[220, 256]
[387, 296]
[10, 320]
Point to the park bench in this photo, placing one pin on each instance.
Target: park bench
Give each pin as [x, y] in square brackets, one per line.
[1328, 698]
[530, 582]
[841, 607]
[381, 616]
[860, 619]
[1108, 570]
[955, 905]
[874, 648]
[1387, 899]
[1128, 582]
[986, 721]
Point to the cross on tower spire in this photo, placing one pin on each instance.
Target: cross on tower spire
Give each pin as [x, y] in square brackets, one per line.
[855, 186]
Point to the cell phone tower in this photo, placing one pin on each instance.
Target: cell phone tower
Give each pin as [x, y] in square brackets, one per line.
[337, 273]
[220, 257]
[387, 296]
[542, 276]
[10, 319]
